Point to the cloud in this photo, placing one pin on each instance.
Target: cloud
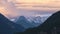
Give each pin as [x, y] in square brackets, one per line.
[8, 8]
[11, 11]
[46, 6]
[41, 3]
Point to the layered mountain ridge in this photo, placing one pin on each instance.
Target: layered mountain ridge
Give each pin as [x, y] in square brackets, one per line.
[51, 25]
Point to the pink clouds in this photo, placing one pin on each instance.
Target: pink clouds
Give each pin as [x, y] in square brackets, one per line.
[12, 8]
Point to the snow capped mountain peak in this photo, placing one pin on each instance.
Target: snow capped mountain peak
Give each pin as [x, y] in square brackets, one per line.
[43, 15]
[12, 19]
[35, 19]
[31, 21]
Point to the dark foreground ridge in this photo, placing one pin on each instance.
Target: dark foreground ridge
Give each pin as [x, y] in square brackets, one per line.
[8, 27]
[50, 26]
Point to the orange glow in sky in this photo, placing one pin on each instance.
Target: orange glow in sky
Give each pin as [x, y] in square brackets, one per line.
[13, 6]
[36, 1]
[30, 1]
[2, 10]
[38, 4]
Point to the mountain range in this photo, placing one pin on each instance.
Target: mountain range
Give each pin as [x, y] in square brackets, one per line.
[24, 22]
[21, 24]
[29, 22]
[51, 25]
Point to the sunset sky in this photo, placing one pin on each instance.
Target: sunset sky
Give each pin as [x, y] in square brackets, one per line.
[28, 7]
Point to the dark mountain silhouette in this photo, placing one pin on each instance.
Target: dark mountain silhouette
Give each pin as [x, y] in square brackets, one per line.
[24, 22]
[8, 27]
[51, 25]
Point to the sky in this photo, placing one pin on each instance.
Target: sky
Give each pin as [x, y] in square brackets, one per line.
[14, 8]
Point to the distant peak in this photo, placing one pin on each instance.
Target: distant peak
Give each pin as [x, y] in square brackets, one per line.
[22, 17]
